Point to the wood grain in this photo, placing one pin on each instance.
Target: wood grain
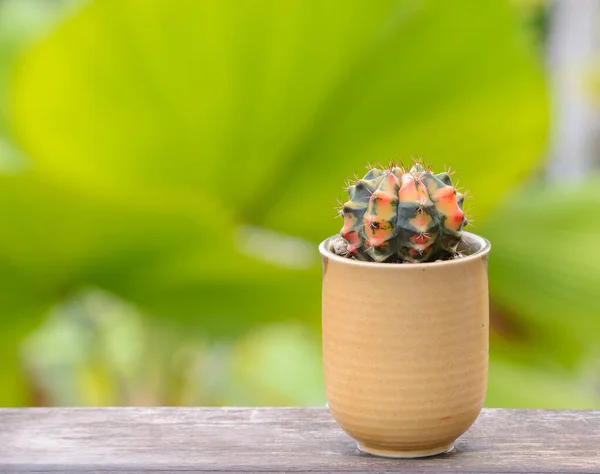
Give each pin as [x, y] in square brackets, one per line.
[136, 440]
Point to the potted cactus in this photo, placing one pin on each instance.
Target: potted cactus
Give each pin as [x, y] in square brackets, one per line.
[405, 314]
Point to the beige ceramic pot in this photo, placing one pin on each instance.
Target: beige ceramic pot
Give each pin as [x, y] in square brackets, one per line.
[405, 349]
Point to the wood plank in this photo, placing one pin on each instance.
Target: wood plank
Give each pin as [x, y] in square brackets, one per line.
[136, 440]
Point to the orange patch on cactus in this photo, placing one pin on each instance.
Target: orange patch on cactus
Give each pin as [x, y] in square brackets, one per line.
[376, 241]
[412, 190]
[378, 230]
[349, 223]
[381, 197]
[445, 200]
[353, 241]
[384, 210]
[447, 205]
[454, 221]
[388, 185]
[421, 221]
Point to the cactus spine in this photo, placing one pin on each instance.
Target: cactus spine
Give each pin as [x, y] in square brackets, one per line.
[399, 216]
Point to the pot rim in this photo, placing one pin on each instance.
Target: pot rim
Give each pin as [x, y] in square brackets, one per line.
[484, 250]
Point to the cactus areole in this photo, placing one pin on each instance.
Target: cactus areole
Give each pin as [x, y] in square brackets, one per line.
[397, 216]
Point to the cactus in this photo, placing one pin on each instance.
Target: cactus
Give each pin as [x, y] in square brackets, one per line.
[399, 216]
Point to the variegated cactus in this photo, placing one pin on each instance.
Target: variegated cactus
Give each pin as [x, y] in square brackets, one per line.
[400, 216]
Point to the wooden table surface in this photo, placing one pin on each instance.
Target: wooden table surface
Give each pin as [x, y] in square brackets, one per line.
[136, 440]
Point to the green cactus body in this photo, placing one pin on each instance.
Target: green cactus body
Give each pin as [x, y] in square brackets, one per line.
[393, 215]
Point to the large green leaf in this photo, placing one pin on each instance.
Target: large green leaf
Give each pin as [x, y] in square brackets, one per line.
[22, 303]
[21, 21]
[158, 131]
[56, 241]
[261, 109]
[545, 268]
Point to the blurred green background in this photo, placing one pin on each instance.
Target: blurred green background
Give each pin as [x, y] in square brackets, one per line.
[167, 169]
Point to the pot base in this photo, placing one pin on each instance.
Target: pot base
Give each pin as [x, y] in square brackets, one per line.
[398, 454]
